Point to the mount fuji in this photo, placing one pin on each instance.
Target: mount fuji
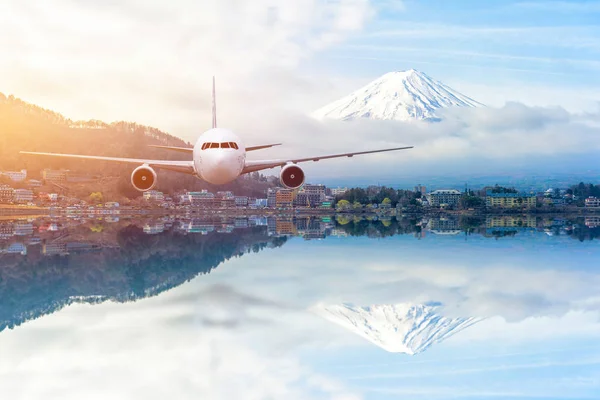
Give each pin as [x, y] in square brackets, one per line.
[400, 328]
[400, 95]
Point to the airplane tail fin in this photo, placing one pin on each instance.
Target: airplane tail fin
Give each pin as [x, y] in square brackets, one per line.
[214, 106]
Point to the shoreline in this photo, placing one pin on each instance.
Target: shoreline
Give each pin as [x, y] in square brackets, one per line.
[11, 212]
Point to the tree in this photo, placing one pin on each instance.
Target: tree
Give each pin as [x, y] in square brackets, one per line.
[468, 201]
[343, 204]
[386, 201]
[96, 197]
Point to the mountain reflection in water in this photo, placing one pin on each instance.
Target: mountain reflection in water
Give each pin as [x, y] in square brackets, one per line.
[46, 264]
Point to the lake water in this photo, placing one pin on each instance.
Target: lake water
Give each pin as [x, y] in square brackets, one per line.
[297, 308]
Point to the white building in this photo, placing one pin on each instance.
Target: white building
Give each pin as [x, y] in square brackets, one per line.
[338, 191]
[16, 176]
[592, 202]
[443, 197]
[241, 201]
[154, 195]
[261, 202]
[23, 195]
[203, 197]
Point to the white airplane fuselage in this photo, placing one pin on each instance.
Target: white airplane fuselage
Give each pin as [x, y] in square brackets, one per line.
[219, 165]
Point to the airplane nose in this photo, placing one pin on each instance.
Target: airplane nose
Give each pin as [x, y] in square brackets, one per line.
[220, 170]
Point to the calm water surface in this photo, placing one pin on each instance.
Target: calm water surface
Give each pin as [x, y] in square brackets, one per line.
[295, 308]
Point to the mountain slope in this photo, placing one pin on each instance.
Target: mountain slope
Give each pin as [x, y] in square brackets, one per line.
[400, 95]
[399, 328]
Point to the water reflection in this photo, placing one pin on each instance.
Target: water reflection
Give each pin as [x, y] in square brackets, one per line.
[331, 294]
[397, 328]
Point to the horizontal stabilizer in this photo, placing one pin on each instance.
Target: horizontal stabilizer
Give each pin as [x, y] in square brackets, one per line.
[264, 146]
[180, 149]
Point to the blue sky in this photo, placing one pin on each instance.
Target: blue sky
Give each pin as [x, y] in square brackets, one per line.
[555, 44]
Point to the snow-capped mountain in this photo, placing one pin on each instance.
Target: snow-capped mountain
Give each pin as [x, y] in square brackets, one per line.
[400, 95]
[400, 328]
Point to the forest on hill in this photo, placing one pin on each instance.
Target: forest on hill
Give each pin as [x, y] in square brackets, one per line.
[27, 127]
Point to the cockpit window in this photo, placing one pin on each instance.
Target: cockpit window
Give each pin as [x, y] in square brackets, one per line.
[223, 145]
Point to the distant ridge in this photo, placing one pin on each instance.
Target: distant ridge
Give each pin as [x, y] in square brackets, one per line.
[399, 95]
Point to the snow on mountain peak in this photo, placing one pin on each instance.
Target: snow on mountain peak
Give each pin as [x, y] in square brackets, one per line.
[400, 328]
[398, 95]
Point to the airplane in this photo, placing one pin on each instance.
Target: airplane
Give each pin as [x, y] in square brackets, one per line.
[218, 157]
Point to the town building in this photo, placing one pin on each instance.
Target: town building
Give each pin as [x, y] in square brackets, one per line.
[23, 228]
[241, 201]
[284, 198]
[15, 176]
[327, 204]
[261, 203]
[7, 194]
[315, 194]
[226, 202]
[152, 228]
[443, 197]
[53, 248]
[7, 230]
[592, 222]
[15, 248]
[421, 189]
[510, 200]
[202, 198]
[225, 195]
[338, 191]
[51, 175]
[301, 200]
[23, 195]
[154, 195]
[240, 223]
[508, 221]
[271, 198]
[43, 196]
[592, 202]
[443, 226]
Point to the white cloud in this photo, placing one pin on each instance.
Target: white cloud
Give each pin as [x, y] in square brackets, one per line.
[133, 350]
[467, 139]
[514, 289]
[152, 62]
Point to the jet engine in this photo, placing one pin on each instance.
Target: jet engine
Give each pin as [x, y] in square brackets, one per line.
[291, 176]
[143, 178]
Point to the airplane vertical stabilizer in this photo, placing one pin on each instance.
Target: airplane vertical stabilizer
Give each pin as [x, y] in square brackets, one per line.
[214, 106]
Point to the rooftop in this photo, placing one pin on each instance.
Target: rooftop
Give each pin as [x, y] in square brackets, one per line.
[489, 193]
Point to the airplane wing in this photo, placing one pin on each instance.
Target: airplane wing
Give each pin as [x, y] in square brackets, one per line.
[264, 146]
[186, 167]
[180, 149]
[252, 166]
